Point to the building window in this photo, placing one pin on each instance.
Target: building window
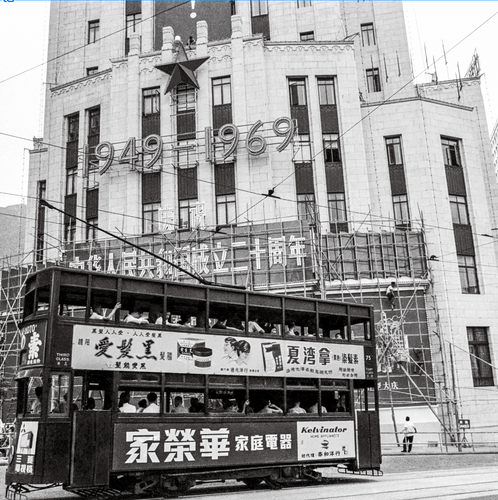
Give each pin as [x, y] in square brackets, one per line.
[71, 177]
[187, 195]
[337, 209]
[259, 8]
[93, 134]
[373, 80]
[297, 89]
[69, 217]
[151, 101]
[222, 93]
[151, 116]
[222, 102]
[92, 71]
[331, 149]
[326, 92]
[185, 98]
[480, 358]
[303, 3]
[393, 147]
[93, 31]
[451, 152]
[92, 214]
[225, 209]
[307, 36]
[133, 24]
[401, 212]
[73, 127]
[468, 274]
[459, 211]
[224, 178]
[306, 207]
[151, 202]
[367, 34]
[150, 217]
[184, 213]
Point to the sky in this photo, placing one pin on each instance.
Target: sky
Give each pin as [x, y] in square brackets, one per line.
[24, 36]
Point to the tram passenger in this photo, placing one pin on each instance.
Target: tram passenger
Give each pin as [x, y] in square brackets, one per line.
[136, 316]
[142, 404]
[159, 320]
[152, 406]
[221, 323]
[291, 329]
[185, 320]
[90, 404]
[314, 408]
[124, 403]
[338, 336]
[98, 313]
[253, 326]
[297, 407]
[269, 407]
[230, 405]
[36, 406]
[178, 406]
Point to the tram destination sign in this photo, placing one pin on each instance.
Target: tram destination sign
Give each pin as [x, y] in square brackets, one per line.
[159, 445]
[180, 351]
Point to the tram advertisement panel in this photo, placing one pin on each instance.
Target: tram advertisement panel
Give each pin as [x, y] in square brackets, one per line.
[127, 349]
[156, 446]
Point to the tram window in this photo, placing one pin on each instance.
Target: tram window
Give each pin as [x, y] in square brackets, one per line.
[59, 387]
[182, 402]
[77, 392]
[43, 299]
[360, 402]
[104, 301]
[360, 331]
[29, 304]
[227, 316]
[226, 400]
[301, 393]
[304, 324]
[34, 396]
[185, 312]
[336, 401]
[99, 386]
[72, 301]
[262, 390]
[333, 327]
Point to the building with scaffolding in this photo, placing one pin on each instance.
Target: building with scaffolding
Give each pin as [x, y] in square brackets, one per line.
[281, 146]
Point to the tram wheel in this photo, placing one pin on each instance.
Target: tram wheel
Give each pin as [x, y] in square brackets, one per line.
[252, 482]
[177, 488]
[274, 484]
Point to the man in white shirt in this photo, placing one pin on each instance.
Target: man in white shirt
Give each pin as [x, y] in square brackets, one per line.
[178, 408]
[98, 313]
[409, 431]
[124, 403]
[152, 406]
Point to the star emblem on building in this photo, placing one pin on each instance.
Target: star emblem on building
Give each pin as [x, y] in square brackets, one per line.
[182, 70]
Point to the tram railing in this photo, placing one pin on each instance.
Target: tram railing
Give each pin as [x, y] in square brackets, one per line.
[427, 442]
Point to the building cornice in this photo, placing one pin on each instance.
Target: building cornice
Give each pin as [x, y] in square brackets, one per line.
[414, 99]
[82, 82]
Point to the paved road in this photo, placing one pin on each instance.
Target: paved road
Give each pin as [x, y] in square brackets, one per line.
[406, 477]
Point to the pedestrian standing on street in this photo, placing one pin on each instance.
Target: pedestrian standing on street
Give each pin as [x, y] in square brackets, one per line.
[409, 431]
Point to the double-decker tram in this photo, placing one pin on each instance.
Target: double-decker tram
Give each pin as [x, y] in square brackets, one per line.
[144, 386]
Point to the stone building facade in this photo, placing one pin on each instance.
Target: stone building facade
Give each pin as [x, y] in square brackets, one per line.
[281, 134]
